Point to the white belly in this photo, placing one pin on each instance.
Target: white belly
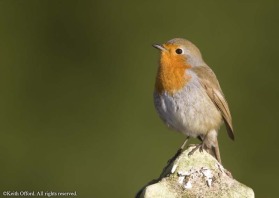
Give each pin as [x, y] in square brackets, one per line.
[189, 110]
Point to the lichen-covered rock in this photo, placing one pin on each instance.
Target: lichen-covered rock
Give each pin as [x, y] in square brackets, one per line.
[198, 175]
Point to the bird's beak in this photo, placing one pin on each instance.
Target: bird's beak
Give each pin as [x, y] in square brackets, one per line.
[160, 47]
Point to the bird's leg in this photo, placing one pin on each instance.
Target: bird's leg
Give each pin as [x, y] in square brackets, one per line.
[179, 151]
[199, 146]
[210, 144]
[184, 143]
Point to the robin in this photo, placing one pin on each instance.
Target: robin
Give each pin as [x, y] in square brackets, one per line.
[188, 97]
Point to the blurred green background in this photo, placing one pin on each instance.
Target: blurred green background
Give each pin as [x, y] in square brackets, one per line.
[77, 78]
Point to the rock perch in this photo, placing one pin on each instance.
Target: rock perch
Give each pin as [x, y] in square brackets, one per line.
[198, 175]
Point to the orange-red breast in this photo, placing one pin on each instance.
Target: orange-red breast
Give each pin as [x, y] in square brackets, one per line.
[188, 96]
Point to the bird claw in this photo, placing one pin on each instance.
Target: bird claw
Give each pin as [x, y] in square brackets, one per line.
[199, 146]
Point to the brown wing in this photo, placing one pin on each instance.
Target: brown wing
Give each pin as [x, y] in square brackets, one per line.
[209, 81]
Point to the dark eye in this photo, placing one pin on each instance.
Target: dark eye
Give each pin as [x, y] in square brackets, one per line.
[179, 51]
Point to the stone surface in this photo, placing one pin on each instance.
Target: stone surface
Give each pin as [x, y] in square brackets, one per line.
[198, 175]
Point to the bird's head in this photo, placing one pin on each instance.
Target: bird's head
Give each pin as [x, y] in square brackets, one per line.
[179, 52]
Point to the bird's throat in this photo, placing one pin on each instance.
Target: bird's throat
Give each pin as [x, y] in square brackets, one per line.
[171, 75]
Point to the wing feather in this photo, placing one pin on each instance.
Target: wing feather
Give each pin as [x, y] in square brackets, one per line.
[208, 79]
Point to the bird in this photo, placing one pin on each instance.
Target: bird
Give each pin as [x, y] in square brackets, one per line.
[188, 96]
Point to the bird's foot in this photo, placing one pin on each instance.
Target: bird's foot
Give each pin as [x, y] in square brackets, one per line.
[179, 151]
[199, 146]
